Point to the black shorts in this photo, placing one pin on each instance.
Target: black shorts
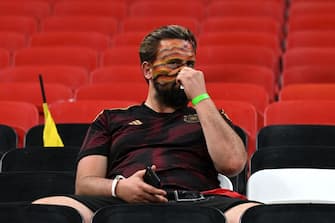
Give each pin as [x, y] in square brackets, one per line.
[220, 202]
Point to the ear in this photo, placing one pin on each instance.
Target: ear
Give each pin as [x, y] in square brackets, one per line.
[147, 70]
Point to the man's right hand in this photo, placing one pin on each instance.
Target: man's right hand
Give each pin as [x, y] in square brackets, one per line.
[134, 190]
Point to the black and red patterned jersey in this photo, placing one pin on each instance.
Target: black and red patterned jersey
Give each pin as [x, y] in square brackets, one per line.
[137, 137]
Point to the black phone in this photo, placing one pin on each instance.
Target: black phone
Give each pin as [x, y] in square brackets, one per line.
[150, 177]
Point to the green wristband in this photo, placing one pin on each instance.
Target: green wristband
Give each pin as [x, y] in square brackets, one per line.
[199, 98]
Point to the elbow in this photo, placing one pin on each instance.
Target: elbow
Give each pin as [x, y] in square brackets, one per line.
[233, 166]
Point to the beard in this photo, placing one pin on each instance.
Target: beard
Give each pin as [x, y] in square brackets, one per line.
[170, 94]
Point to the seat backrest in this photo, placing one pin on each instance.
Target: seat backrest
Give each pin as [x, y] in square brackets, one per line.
[300, 112]
[19, 115]
[27, 186]
[4, 58]
[93, 40]
[84, 111]
[239, 23]
[146, 24]
[40, 159]
[72, 134]
[112, 91]
[312, 39]
[70, 76]
[289, 213]
[121, 55]
[310, 91]
[38, 213]
[34, 9]
[295, 135]
[20, 24]
[167, 213]
[303, 56]
[12, 41]
[115, 9]
[315, 22]
[265, 9]
[238, 73]
[246, 55]
[104, 25]
[309, 74]
[73, 56]
[9, 138]
[117, 73]
[31, 92]
[171, 8]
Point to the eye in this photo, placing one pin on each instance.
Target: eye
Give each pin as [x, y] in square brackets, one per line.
[190, 64]
[174, 64]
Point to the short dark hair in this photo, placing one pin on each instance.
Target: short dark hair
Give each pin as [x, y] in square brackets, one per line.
[149, 45]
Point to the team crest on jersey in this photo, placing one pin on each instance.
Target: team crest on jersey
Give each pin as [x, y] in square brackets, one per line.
[191, 118]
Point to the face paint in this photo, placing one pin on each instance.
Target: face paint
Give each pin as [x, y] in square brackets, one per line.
[172, 56]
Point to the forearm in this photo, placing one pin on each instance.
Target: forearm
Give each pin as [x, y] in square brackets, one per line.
[91, 185]
[224, 146]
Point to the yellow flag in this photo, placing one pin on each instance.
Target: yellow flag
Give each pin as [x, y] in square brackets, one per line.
[50, 133]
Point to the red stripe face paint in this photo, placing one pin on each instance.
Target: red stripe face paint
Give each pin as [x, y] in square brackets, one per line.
[172, 56]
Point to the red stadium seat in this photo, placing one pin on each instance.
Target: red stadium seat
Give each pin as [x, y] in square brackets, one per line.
[130, 91]
[19, 24]
[325, 22]
[132, 38]
[93, 40]
[308, 56]
[73, 56]
[19, 115]
[12, 41]
[232, 38]
[250, 93]
[245, 116]
[246, 55]
[308, 92]
[147, 24]
[309, 74]
[104, 25]
[117, 73]
[121, 55]
[31, 93]
[83, 111]
[266, 9]
[300, 112]
[4, 58]
[70, 76]
[35, 9]
[249, 24]
[313, 39]
[311, 8]
[236, 73]
[170, 8]
[113, 9]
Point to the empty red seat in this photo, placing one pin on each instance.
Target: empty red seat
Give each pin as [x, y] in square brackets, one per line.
[12, 41]
[31, 93]
[266, 9]
[117, 73]
[132, 38]
[319, 22]
[104, 25]
[19, 115]
[4, 58]
[300, 112]
[115, 9]
[308, 92]
[309, 74]
[93, 40]
[121, 55]
[84, 111]
[130, 91]
[73, 56]
[193, 9]
[147, 24]
[70, 76]
[19, 24]
[34, 9]
[313, 39]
